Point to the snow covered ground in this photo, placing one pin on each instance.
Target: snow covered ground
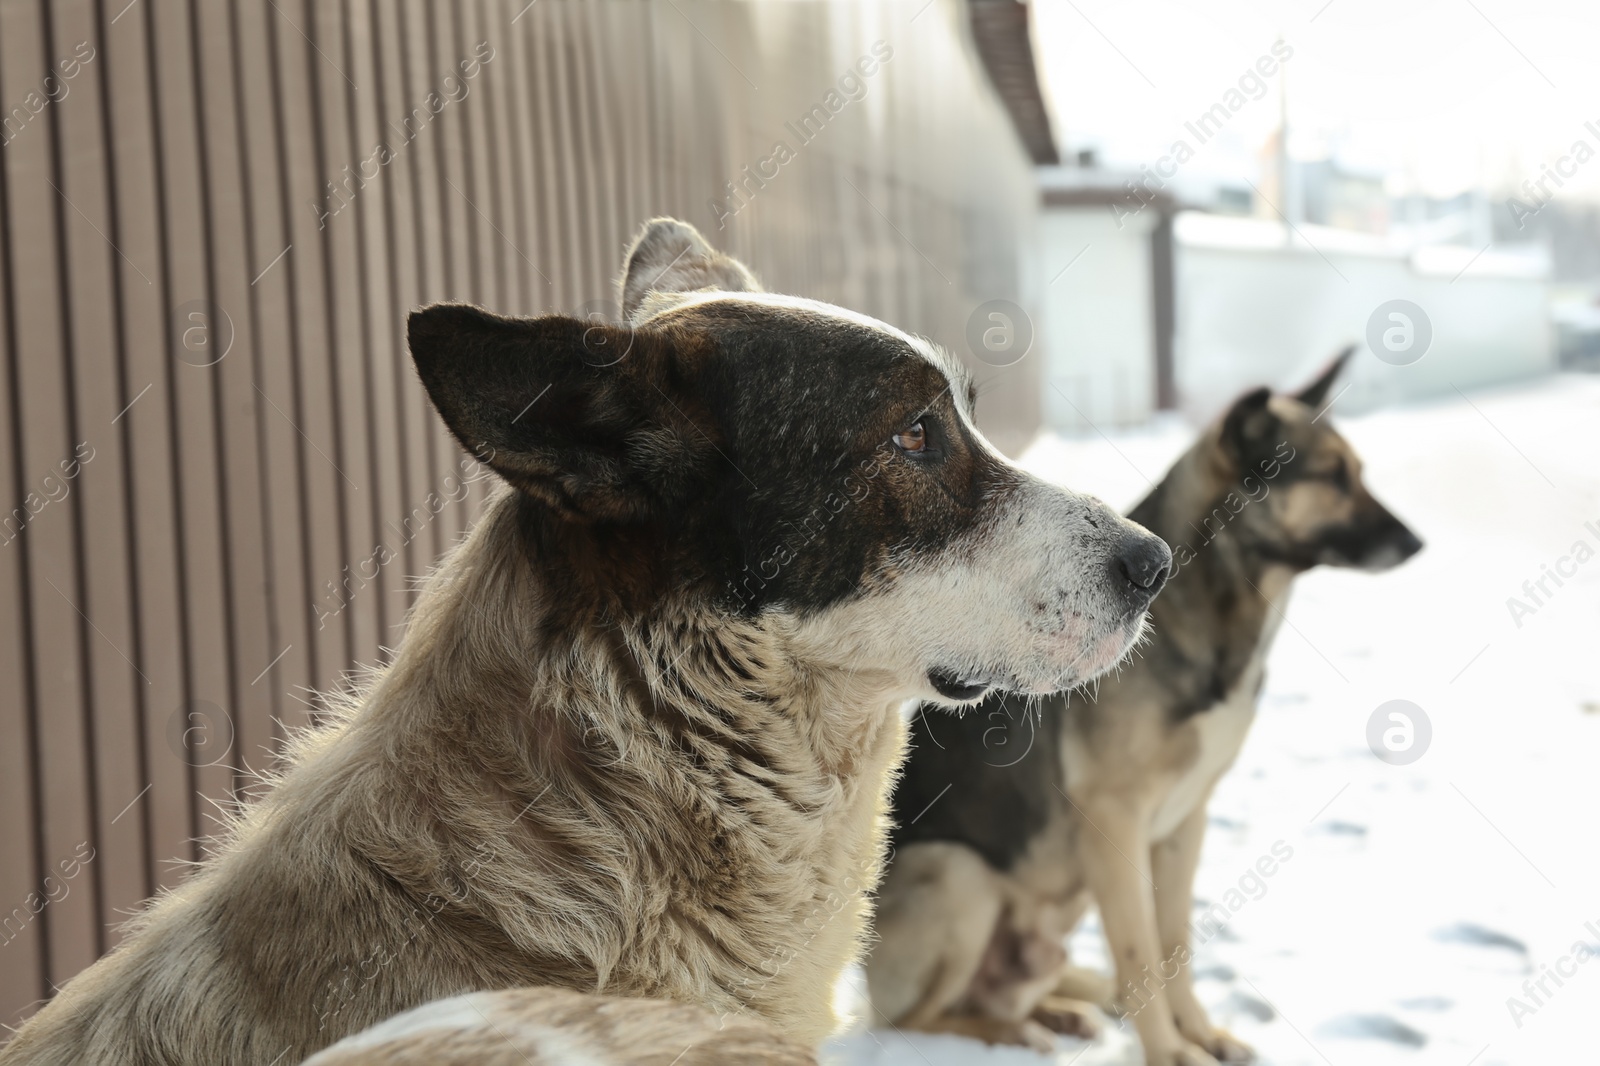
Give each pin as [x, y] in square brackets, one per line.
[1420, 898]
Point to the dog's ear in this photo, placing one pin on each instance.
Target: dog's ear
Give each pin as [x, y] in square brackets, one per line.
[594, 420]
[671, 256]
[1316, 393]
[1248, 423]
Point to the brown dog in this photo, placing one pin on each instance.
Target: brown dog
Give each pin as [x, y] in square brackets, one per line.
[639, 734]
[1104, 798]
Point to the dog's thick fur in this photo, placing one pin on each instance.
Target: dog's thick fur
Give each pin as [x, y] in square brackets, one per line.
[638, 736]
[556, 1027]
[1105, 798]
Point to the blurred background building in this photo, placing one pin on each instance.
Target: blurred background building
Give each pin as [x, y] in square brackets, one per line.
[1229, 230]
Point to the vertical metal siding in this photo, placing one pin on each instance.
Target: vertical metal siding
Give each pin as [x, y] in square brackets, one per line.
[204, 279]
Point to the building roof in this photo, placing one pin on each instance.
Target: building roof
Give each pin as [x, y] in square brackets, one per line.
[1001, 32]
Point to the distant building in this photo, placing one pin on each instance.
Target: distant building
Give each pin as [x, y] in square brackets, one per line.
[1332, 195]
[1168, 295]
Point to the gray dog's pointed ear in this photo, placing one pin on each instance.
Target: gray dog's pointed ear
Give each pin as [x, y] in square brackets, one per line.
[672, 256]
[597, 421]
[1316, 393]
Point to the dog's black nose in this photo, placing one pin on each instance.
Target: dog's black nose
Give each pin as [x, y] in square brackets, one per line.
[1144, 562]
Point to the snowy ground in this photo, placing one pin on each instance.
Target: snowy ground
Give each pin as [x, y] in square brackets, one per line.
[1421, 897]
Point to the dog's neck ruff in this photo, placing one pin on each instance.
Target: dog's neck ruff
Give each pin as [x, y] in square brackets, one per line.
[686, 767]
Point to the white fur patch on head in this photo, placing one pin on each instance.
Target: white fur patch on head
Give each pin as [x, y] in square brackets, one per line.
[660, 303]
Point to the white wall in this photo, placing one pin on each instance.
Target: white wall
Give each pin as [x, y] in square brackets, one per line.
[1251, 310]
[1095, 335]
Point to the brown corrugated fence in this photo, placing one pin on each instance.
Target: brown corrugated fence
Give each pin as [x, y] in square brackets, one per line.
[219, 471]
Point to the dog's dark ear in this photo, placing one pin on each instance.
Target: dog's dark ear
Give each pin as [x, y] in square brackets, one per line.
[1315, 394]
[591, 419]
[1248, 423]
[671, 256]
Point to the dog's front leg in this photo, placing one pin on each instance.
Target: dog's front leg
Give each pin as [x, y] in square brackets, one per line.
[1116, 852]
[1173, 863]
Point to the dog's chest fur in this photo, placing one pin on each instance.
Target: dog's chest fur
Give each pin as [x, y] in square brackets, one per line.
[612, 815]
[1218, 735]
[1218, 732]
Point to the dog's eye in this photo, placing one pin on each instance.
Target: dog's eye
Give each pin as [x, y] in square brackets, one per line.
[1339, 476]
[912, 439]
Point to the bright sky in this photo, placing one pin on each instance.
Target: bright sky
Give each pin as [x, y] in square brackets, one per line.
[1439, 94]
